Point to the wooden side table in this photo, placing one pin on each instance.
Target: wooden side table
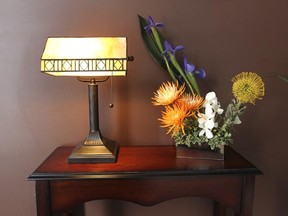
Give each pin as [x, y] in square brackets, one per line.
[146, 175]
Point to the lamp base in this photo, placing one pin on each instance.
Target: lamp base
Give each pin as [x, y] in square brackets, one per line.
[106, 152]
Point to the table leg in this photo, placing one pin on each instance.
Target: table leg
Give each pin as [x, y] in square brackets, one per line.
[248, 195]
[43, 198]
[219, 209]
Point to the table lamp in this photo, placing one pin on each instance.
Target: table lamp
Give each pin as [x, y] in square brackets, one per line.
[91, 60]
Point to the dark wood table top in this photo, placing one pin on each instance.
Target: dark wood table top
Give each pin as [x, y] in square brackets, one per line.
[141, 162]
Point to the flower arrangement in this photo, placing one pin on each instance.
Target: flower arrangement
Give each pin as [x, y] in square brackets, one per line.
[191, 119]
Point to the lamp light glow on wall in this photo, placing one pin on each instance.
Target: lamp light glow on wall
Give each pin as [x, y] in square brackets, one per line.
[88, 58]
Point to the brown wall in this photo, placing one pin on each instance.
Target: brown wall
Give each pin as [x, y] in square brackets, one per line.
[39, 112]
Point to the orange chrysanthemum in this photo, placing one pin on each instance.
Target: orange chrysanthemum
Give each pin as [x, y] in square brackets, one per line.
[191, 102]
[173, 118]
[167, 94]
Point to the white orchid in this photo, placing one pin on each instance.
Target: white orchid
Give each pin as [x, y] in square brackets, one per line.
[211, 102]
[207, 124]
[207, 120]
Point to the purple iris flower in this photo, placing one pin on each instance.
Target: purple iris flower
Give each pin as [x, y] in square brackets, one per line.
[190, 68]
[169, 48]
[200, 73]
[152, 24]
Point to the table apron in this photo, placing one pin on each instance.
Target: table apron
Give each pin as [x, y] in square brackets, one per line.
[227, 190]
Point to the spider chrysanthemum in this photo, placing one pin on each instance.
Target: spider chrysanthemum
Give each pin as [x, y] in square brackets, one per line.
[173, 118]
[167, 94]
[247, 87]
[191, 102]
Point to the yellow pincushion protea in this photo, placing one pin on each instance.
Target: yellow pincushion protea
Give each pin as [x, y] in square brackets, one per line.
[247, 87]
[167, 94]
[173, 118]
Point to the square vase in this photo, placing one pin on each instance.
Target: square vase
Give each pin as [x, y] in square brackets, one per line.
[183, 151]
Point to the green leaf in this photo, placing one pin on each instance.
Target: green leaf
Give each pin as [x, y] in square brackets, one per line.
[193, 82]
[284, 78]
[150, 43]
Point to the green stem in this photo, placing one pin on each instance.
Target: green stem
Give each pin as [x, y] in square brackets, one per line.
[157, 39]
[193, 81]
[160, 48]
[177, 66]
[171, 72]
